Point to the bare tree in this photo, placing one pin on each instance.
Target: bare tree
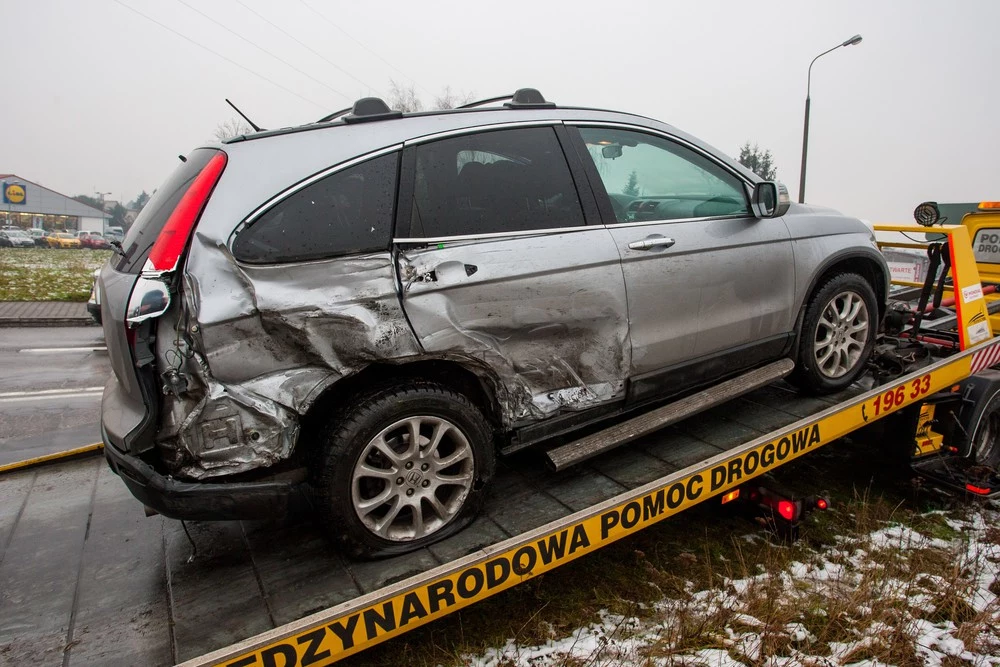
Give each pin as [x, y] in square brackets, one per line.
[403, 98]
[757, 160]
[449, 99]
[233, 127]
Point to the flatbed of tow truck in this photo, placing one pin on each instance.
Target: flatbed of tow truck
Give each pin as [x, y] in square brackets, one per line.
[85, 578]
[111, 586]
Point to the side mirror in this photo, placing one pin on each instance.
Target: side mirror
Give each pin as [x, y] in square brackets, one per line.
[770, 200]
[612, 151]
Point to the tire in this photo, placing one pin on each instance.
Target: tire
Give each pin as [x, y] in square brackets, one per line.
[838, 333]
[983, 446]
[367, 470]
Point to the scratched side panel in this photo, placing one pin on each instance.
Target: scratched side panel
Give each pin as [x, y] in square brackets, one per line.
[548, 313]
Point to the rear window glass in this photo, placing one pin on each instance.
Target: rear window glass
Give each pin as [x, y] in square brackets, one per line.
[347, 212]
[154, 215]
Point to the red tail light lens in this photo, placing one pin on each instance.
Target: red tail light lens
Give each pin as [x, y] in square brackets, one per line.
[821, 503]
[786, 509]
[169, 246]
[977, 489]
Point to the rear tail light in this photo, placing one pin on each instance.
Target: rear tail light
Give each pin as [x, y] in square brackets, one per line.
[977, 489]
[151, 295]
[777, 504]
[787, 510]
[174, 236]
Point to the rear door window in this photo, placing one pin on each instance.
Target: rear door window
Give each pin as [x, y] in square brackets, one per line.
[347, 212]
[154, 215]
[493, 182]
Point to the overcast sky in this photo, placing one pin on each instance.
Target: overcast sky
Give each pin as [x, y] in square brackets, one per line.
[98, 98]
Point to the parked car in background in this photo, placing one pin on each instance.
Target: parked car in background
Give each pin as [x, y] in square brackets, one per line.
[370, 309]
[93, 240]
[40, 237]
[15, 238]
[63, 240]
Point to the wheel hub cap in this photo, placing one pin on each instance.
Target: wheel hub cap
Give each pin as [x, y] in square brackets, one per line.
[412, 478]
[841, 334]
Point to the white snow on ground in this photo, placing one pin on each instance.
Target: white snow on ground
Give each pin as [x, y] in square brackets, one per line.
[875, 589]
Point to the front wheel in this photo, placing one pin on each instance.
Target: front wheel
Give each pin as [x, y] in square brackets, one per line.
[404, 466]
[838, 333]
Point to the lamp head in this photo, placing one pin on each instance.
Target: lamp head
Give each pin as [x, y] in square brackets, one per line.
[852, 41]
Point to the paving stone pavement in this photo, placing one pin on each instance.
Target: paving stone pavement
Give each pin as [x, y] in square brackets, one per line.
[44, 313]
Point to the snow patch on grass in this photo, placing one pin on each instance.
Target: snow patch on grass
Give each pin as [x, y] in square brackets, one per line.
[891, 596]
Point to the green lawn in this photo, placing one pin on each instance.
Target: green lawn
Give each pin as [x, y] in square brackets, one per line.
[42, 274]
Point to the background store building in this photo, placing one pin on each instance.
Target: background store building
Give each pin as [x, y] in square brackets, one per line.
[28, 205]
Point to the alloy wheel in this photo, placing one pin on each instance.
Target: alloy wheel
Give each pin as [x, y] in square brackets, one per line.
[841, 334]
[412, 478]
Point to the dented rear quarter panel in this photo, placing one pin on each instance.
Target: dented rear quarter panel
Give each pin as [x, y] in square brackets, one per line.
[548, 313]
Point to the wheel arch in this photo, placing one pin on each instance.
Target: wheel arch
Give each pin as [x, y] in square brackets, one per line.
[476, 382]
[870, 266]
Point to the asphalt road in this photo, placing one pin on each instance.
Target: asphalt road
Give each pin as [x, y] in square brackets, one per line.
[50, 389]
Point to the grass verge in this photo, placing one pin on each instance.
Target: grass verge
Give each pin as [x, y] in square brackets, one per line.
[43, 274]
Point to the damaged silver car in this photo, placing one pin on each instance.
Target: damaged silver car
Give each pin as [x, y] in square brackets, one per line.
[367, 310]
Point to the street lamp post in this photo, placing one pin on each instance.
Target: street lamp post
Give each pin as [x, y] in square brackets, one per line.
[805, 125]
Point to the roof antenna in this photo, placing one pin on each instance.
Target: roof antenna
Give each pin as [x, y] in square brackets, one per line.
[252, 124]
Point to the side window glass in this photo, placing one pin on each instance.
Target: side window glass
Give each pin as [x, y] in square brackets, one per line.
[500, 181]
[347, 212]
[651, 178]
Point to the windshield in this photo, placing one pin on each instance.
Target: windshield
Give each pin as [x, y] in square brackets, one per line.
[16, 233]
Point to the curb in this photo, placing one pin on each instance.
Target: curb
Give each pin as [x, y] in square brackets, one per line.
[47, 322]
[52, 458]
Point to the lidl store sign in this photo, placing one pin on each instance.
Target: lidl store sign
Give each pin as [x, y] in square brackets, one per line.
[14, 193]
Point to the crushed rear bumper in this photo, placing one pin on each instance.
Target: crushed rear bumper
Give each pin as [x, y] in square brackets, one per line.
[203, 501]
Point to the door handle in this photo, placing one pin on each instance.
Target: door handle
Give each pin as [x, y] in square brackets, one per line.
[649, 244]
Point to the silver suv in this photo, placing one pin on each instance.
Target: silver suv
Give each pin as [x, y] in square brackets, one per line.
[365, 311]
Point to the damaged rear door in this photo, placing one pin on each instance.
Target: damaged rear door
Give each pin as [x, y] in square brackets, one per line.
[498, 266]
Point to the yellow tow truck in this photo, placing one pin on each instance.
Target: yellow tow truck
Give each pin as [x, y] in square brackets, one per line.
[955, 431]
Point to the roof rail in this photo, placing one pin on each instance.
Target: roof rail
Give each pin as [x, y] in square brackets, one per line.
[522, 98]
[479, 103]
[334, 115]
[370, 108]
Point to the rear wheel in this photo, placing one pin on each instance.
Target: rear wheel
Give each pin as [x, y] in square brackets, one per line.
[404, 467]
[838, 333]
